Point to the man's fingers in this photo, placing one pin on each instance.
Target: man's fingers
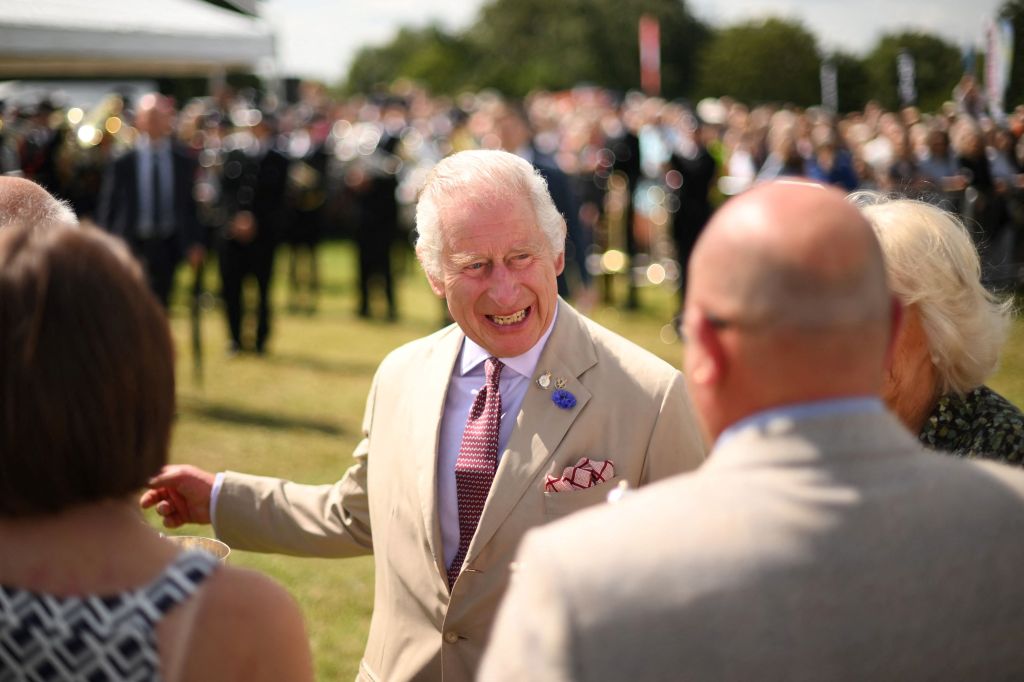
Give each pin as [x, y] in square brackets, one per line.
[166, 476]
[149, 498]
[172, 522]
[177, 492]
[168, 503]
[178, 502]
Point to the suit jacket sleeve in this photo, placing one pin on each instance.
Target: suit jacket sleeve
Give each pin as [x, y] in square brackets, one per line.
[264, 514]
[676, 444]
[112, 206]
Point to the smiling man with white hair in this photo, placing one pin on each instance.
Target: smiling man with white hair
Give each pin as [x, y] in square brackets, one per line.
[521, 412]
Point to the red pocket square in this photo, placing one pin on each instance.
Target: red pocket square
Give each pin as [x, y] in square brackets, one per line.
[585, 474]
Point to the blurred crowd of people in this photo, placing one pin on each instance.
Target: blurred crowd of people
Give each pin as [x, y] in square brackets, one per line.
[637, 177]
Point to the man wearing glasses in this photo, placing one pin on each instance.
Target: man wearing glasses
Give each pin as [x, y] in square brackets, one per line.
[819, 540]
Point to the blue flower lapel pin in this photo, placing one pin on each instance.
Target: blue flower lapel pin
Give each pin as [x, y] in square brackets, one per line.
[563, 399]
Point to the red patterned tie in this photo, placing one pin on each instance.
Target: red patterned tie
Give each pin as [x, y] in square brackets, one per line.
[477, 462]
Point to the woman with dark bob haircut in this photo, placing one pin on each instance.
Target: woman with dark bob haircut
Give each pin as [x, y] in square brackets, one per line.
[88, 590]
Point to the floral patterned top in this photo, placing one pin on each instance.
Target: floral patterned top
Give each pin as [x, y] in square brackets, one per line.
[981, 423]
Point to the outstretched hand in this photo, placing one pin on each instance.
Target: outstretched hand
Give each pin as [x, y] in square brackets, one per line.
[181, 494]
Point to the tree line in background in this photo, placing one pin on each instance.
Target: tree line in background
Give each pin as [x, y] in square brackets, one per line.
[515, 46]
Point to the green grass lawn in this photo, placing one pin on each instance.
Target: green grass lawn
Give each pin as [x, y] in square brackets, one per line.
[296, 413]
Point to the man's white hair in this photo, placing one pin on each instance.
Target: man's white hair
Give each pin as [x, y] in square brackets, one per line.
[483, 176]
[931, 263]
[23, 202]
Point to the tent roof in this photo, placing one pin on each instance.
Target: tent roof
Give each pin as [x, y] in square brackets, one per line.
[157, 37]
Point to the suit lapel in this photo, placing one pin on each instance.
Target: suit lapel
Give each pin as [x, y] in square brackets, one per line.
[425, 432]
[540, 424]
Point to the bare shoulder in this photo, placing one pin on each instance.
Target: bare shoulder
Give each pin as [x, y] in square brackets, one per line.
[246, 592]
[248, 627]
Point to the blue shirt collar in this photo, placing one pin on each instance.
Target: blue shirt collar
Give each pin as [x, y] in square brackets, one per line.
[798, 411]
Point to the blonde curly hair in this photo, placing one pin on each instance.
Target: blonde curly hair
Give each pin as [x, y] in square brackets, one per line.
[931, 263]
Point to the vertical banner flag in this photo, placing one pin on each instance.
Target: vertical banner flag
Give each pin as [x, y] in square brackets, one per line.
[905, 71]
[829, 87]
[650, 55]
[998, 58]
[968, 57]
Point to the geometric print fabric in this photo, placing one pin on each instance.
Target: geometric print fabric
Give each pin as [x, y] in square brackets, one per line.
[477, 461]
[93, 639]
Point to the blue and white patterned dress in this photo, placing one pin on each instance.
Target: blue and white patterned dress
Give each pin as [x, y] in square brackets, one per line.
[93, 639]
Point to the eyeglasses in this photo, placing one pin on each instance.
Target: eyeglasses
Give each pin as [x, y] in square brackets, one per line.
[714, 321]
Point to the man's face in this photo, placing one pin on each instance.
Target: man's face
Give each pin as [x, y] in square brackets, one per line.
[156, 119]
[512, 131]
[498, 275]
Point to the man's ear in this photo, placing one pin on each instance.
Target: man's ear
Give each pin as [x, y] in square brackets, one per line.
[436, 285]
[559, 263]
[708, 364]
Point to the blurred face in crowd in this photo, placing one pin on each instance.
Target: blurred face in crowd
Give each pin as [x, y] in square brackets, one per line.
[512, 131]
[155, 117]
[968, 142]
[499, 274]
[938, 144]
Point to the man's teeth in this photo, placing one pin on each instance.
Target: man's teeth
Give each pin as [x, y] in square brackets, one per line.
[509, 319]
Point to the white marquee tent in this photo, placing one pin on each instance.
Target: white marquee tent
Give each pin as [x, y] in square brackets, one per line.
[153, 38]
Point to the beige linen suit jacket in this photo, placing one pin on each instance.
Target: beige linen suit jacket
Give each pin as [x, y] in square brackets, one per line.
[631, 408]
[829, 548]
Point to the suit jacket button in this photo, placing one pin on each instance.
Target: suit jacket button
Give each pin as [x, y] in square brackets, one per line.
[451, 637]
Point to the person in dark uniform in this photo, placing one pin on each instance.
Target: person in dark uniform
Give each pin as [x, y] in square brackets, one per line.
[147, 198]
[40, 146]
[372, 182]
[308, 192]
[253, 189]
[697, 169]
[626, 150]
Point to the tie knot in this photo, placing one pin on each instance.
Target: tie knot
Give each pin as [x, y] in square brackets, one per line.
[492, 369]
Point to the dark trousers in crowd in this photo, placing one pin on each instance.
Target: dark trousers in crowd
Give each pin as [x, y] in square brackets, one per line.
[237, 262]
[159, 257]
[375, 266]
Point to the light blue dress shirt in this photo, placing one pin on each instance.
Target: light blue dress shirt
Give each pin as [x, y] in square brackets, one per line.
[145, 151]
[467, 380]
[797, 411]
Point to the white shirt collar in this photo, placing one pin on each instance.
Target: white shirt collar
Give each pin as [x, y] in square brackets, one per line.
[473, 354]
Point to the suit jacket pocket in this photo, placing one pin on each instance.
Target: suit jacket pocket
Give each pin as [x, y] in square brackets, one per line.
[557, 505]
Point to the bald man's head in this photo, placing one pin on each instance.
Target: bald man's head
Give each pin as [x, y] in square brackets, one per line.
[788, 301]
[791, 254]
[23, 202]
